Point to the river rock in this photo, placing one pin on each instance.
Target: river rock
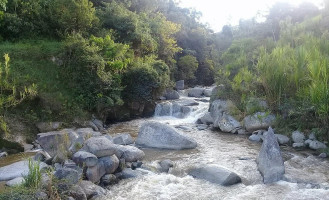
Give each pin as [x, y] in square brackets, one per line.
[108, 179]
[255, 138]
[68, 175]
[180, 85]
[163, 109]
[228, 124]
[83, 158]
[110, 163]
[187, 102]
[195, 92]
[219, 107]
[131, 153]
[91, 190]
[322, 155]
[95, 173]
[202, 127]
[308, 142]
[207, 92]
[315, 145]
[270, 161]
[282, 139]
[15, 182]
[57, 141]
[298, 137]
[215, 174]
[180, 111]
[298, 145]
[158, 135]
[259, 120]
[171, 95]
[3, 154]
[48, 126]
[99, 124]
[129, 173]
[207, 119]
[77, 192]
[166, 165]
[17, 169]
[100, 146]
[123, 139]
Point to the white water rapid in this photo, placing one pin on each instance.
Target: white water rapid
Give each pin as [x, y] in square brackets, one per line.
[306, 175]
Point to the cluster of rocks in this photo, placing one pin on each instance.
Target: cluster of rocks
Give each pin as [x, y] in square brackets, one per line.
[298, 140]
[224, 115]
[82, 159]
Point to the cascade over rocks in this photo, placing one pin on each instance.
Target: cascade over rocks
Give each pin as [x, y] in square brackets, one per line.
[270, 161]
[171, 95]
[196, 92]
[158, 135]
[215, 174]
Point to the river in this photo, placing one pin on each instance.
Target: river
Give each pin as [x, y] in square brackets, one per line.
[306, 175]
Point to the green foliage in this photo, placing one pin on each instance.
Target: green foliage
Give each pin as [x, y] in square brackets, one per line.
[141, 83]
[292, 74]
[33, 178]
[187, 66]
[67, 16]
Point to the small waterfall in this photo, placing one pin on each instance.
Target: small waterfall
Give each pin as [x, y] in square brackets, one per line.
[185, 108]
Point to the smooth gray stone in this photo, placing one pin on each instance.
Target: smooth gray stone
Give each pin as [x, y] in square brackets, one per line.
[215, 174]
[270, 161]
[158, 135]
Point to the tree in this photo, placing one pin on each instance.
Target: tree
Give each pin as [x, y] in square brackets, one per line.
[187, 66]
[67, 16]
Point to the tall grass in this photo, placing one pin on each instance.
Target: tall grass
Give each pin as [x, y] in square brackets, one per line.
[33, 178]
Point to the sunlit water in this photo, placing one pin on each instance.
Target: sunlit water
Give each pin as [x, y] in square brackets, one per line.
[307, 176]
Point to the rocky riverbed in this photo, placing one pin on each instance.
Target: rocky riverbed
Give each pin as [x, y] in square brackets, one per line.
[181, 154]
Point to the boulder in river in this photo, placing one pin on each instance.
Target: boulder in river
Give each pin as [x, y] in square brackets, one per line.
[316, 145]
[270, 161]
[228, 124]
[282, 139]
[258, 121]
[298, 137]
[111, 163]
[83, 158]
[123, 139]
[207, 92]
[70, 176]
[206, 119]
[91, 190]
[95, 173]
[158, 135]
[130, 153]
[15, 182]
[16, 169]
[99, 146]
[215, 174]
[171, 95]
[166, 165]
[195, 92]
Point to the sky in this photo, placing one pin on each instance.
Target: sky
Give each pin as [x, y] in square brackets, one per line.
[218, 13]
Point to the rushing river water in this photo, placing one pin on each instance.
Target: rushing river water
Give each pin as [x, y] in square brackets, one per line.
[306, 176]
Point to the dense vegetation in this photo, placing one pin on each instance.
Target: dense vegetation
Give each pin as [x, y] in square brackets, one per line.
[284, 60]
[67, 59]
